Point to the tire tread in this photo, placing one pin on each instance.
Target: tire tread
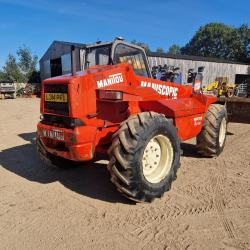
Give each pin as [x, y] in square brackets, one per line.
[207, 140]
[124, 146]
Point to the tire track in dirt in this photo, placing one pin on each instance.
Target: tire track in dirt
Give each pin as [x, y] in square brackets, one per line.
[178, 210]
[195, 199]
[239, 137]
[163, 221]
[233, 177]
[167, 233]
[216, 183]
[227, 174]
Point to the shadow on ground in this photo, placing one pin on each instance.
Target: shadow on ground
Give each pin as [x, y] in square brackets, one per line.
[89, 179]
[189, 150]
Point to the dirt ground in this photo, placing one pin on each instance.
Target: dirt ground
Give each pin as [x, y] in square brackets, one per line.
[208, 206]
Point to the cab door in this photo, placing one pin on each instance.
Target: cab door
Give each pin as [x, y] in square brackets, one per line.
[135, 55]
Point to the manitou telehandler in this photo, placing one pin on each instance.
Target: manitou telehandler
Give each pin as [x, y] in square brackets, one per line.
[118, 109]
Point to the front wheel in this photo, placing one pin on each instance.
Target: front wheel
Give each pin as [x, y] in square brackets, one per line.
[144, 156]
[211, 139]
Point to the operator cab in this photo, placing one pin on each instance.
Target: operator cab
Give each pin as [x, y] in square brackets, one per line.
[118, 52]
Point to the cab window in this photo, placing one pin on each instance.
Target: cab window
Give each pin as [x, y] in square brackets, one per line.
[98, 56]
[134, 56]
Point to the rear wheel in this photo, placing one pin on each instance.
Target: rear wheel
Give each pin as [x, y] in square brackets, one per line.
[211, 140]
[144, 156]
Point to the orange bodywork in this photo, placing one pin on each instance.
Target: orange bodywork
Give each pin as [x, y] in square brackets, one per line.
[101, 117]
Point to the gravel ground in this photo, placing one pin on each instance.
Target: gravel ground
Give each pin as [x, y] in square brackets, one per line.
[208, 206]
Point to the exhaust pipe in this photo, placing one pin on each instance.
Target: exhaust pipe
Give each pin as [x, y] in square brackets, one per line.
[73, 60]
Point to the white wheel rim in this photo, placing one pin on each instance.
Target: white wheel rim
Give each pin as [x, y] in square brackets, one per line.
[222, 132]
[157, 159]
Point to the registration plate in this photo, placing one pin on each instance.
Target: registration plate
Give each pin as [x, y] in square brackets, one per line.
[56, 97]
[54, 134]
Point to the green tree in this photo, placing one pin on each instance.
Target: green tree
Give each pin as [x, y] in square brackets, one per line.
[27, 62]
[174, 50]
[11, 70]
[160, 50]
[2, 75]
[141, 44]
[23, 69]
[241, 43]
[220, 40]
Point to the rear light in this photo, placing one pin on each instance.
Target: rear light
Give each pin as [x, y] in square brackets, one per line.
[60, 121]
[109, 94]
[76, 122]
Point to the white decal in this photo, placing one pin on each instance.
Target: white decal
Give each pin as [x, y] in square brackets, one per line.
[161, 89]
[197, 85]
[197, 121]
[112, 79]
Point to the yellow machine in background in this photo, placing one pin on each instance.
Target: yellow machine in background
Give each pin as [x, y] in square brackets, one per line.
[220, 87]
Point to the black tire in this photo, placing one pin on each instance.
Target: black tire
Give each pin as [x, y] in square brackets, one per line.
[208, 140]
[52, 161]
[126, 153]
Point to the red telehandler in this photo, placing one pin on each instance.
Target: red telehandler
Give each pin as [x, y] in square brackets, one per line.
[115, 107]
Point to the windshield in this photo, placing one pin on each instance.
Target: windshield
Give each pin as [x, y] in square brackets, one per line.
[98, 56]
[134, 56]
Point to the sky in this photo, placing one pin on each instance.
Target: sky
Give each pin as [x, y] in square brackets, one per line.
[159, 23]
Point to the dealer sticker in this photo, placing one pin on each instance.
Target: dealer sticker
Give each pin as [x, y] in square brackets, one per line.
[197, 121]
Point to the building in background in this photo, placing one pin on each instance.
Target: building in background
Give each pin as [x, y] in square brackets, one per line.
[57, 61]
[237, 72]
